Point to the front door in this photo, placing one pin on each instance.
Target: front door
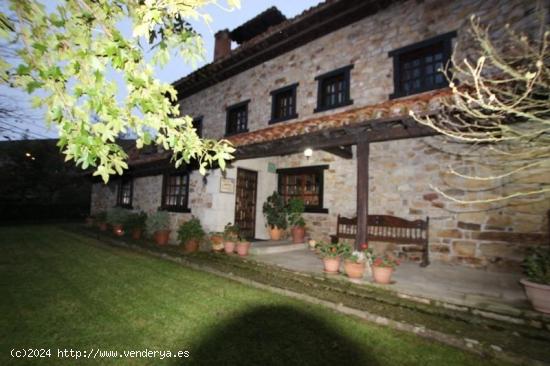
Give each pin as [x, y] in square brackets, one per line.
[245, 203]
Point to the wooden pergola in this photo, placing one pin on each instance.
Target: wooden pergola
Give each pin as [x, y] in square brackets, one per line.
[338, 141]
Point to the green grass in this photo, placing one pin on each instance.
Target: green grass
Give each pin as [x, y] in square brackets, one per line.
[59, 290]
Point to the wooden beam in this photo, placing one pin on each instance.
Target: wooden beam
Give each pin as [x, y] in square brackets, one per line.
[344, 152]
[362, 190]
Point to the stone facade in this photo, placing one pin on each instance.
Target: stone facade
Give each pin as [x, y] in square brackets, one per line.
[403, 173]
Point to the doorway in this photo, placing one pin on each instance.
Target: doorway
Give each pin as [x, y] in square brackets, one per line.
[245, 202]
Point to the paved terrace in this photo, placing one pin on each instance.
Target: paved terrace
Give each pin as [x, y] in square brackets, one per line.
[438, 281]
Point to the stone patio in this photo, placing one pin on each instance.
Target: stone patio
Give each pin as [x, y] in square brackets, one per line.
[455, 284]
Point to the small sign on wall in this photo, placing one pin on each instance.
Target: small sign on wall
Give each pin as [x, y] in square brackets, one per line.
[227, 185]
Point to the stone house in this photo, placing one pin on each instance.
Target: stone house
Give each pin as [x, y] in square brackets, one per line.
[340, 78]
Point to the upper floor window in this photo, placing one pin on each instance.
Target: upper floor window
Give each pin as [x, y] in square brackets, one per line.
[283, 104]
[197, 124]
[124, 193]
[237, 118]
[333, 89]
[175, 192]
[305, 183]
[416, 68]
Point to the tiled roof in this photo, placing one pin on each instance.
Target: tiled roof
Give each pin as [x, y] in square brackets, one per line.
[420, 103]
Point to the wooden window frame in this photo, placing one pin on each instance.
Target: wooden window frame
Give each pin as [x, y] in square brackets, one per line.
[197, 123]
[174, 208]
[276, 94]
[232, 109]
[445, 40]
[321, 79]
[120, 186]
[319, 170]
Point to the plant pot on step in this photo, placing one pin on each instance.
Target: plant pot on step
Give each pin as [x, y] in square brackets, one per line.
[136, 234]
[275, 233]
[242, 248]
[229, 247]
[538, 294]
[102, 226]
[191, 246]
[332, 265]
[382, 275]
[354, 269]
[216, 240]
[298, 234]
[161, 237]
[118, 230]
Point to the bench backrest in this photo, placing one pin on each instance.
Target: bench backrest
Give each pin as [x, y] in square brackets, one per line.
[386, 228]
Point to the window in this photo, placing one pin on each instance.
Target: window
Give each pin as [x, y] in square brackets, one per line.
[416, 66]
[175, 192]
[333, 89]
[124, 193]
[237, 118]
[305, 183]
[197, 124]
[283, 104]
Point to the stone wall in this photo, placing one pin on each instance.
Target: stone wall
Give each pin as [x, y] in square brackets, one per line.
[365, 44]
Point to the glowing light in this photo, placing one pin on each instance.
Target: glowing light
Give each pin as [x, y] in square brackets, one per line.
[308, 152]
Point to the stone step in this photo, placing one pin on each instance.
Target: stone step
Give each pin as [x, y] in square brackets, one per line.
[257, 248]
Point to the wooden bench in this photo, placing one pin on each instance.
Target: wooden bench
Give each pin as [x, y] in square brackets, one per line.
[386, 228]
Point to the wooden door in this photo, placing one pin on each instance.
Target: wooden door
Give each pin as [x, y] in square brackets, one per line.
[245, 202]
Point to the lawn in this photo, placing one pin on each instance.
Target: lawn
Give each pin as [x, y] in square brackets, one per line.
[63, 291]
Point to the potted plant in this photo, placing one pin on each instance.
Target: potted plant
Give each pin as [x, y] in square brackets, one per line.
[331, 254]
[295, 210]
[116, 217]
[383, 267]
[216, 241]
[101, 220]
[158, 225]
[243, 246]
[135, 223]
[275, 213]
[230, 235]
[537, 283]
[190, 234]
[355, 262]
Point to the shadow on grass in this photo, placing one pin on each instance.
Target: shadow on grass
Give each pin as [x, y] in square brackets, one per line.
[277, 335]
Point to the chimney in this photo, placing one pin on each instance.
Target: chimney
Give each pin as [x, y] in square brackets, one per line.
[222, 46]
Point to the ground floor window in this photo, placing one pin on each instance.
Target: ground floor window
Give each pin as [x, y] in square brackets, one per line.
[305, 183]
[124, 194]
[175, 192]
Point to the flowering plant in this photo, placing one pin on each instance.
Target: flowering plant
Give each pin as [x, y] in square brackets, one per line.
[331, 250]
[385, 260]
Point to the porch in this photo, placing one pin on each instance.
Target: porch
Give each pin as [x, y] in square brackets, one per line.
[453, 284]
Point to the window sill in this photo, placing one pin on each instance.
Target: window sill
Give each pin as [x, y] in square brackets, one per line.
[277, 120]
[403, 95]
[322, 109]
[175, 209]
[316, 210]
[129, 207]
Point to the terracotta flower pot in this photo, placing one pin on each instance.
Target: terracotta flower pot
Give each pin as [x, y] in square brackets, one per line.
[229, 247]
[382, 274]
[354, 269]
[332, 265]
[191, 246]
[118, 230]
[161, 237]
[298, 234]
[242, 248]
[217, 243]
[102, 226]
[136, 234]
[275, 233]
[538, 294]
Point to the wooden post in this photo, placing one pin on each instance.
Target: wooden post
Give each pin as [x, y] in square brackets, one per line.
[362, 190]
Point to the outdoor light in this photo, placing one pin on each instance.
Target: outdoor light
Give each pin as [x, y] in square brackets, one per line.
[308, 153]
[28, 155]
